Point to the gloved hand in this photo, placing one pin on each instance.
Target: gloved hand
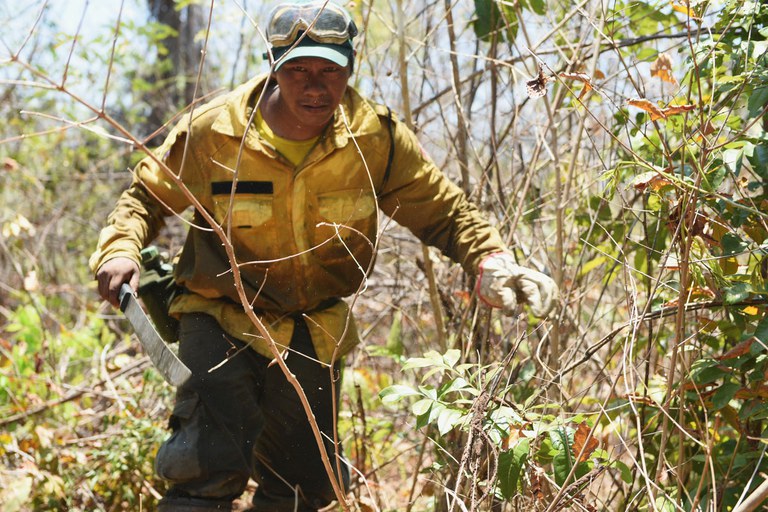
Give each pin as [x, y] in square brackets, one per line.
[501, 283]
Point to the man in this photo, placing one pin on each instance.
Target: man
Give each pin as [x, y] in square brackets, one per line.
[295, 167]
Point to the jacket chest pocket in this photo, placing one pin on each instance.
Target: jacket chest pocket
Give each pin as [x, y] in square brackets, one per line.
[252, 206]
[247, 211]
[345, 207]
[251, 214]
[346, 226]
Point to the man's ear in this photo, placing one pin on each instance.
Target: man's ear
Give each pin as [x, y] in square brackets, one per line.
[267, 56]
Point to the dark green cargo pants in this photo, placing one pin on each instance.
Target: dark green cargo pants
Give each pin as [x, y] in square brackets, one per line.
[243, 420]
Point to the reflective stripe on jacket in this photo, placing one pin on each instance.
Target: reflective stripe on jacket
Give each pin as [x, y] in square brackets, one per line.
[303, 236]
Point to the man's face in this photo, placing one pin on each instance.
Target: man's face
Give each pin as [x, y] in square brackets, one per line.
[310, 89]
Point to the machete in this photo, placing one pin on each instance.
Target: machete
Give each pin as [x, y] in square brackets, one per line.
[166, 362]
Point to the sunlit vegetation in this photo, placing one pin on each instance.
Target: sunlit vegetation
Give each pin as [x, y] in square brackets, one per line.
[620, 146]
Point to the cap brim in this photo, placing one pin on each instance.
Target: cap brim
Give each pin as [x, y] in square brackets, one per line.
[322, 52]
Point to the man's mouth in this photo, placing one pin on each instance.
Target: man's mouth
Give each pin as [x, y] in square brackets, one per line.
[315, 105]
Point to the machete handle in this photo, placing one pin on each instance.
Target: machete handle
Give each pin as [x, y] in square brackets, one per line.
[122, 296]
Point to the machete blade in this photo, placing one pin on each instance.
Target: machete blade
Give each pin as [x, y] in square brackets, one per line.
[166, 362]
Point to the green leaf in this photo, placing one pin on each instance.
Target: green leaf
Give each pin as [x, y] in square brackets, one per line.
[733, 244]
[509, 18]
[486, 18]
[431, 358]
[757, 100]
[759, 159]
[511, 464]
[422, 421]
[457, 384]
[737, 293]
[714, 178]
[429, 392]
[452, 357]
[494, 20]
[597, 262]
[733, 158]
[538, 6]
[435, 412]
[761, 330]
[655, 203]
[724, 394]
[393, 394]
[395, 337]
[665, 504]
[626, 473]
[705, 371]
[422, 406]
[647, 53]
[754, 410]
[562, 462]
[447, 420]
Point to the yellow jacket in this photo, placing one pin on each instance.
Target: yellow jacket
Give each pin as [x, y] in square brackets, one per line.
[304, 236]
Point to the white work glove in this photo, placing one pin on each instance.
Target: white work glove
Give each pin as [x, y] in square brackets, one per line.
[501, 283]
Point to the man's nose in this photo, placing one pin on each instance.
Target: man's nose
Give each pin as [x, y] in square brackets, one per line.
[315, 83]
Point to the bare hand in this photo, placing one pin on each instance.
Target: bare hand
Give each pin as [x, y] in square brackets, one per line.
[111, 276]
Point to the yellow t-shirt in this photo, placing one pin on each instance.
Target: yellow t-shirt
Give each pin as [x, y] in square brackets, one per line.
[294, 150]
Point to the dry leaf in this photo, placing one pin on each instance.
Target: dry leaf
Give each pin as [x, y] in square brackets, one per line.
[649, 107]
[662, 68]
[702, 292]
[581, 77]
[677, 109]
[760, 391]
[638, 399]
[705, 390]
[537, 87]
[511, 440]
[707, 128]
[463, 295]
[738, 350]
[364, 504]
[582, 442]
[9, 164]
[536, 481]
[656, 112]
[732, 418]
[706, 324]
[652, 180]
[696, 294]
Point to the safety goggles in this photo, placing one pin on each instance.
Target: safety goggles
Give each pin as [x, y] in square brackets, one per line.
[324, 22]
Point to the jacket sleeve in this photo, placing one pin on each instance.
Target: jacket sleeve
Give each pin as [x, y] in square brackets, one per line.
[420, 197]
[141, 209]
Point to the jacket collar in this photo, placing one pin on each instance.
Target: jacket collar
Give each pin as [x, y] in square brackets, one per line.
[354, 117]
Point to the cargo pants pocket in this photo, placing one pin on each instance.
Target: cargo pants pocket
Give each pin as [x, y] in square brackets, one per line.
[178, 459]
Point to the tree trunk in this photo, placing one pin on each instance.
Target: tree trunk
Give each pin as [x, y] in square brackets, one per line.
[176, 71]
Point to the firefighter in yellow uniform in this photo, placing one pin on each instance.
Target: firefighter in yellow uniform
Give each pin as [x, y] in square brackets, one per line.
[295, 167]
